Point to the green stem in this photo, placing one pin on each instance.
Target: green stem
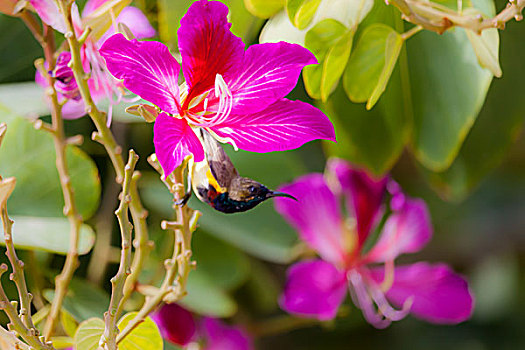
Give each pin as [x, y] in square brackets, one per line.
[70, 209]
[173, 287]
[22, 323]
[141, 243]
[108, 339]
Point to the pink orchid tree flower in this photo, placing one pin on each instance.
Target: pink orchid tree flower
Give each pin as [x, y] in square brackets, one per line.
[385, 293]
[178, 326]
[102, 84]
[235, 94]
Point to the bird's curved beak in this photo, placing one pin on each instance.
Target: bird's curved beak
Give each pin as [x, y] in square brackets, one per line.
[280, 194]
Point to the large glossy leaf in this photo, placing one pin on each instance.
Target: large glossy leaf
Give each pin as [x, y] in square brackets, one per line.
[301, 12]
[206, 298]
[83, 300]
[373, 139]
[347, 12]
[145, 337]
[23, 99]
[226, 266]
[88, 334]
[498, 125]
[371, 64]
[264, 8]
[447, 93]
[48, 234]
[331, 42]
[29, 155]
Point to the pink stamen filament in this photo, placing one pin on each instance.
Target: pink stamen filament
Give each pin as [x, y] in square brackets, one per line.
[369, 297]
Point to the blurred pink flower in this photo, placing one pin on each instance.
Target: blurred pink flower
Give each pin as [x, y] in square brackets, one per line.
[316, 288]
[179, 326]
[236, 94]
[102, 85]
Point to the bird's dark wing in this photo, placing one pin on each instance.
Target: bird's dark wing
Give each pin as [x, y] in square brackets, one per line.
[220, 164]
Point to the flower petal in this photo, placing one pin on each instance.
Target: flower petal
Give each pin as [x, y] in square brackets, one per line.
[174, 140]
[315, 215]
[269, 73]
[282, 126]
[135, 20]
[314, 288]
[49, 13]
[222, 337]
[406, 231]
[207, 46]
[363, 193]
[148, 69]
[439, 294]
[175, 323]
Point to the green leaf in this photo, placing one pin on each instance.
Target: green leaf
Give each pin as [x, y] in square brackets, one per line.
[88, 334]
[497, 127]
[62, 342]
[264, 8]
[394, 42]
[83, 300]
[145, 337]
[372, 63]
[330, 41]
[29, 155]
[19, 50]
[447, 92]
[48, 234]
[68, 323]
[371, 138]
[486, 48]
[206, 298]
[301, 12]
[224, 265]
[23, 99]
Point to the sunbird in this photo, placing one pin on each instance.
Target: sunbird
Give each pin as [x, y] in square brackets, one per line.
[216, 182]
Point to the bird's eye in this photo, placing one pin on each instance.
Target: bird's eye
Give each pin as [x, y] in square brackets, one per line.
[252, 189]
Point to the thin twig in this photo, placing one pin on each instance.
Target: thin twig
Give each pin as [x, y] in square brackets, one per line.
[70, 209]
[22, 323]
[439, 19]
[141, 243]
[103, 135]
[173, 287]
[108, 339]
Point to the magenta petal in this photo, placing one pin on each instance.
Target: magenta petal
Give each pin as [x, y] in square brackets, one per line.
[440, 295]
[174, 140]
[314, 288]
[406, 231]
[315, 215]
[269, 73]
[147, 68]
[282, 126]
[207, 46]
[364, 195]
[49, 13]
[175, 323]
[222, 337]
